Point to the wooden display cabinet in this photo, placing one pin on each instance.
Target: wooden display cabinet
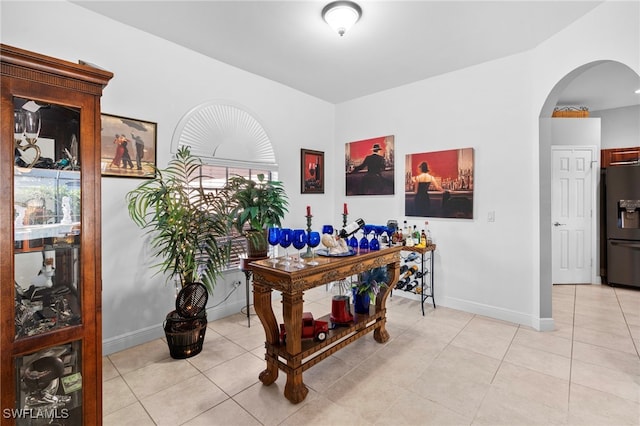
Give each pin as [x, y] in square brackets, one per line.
[50, 246]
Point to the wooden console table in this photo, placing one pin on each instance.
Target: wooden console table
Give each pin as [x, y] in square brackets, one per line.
[292, 283]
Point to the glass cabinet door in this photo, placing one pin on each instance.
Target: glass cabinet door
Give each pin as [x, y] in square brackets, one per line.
[46, 202]
[49, 386]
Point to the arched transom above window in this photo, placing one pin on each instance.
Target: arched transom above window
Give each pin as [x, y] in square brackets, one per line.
[224, 134]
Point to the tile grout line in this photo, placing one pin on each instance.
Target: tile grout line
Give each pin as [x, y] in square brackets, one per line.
[128, 387]
[472, 417]
[475, 415]
[633, 342]
[573, 331]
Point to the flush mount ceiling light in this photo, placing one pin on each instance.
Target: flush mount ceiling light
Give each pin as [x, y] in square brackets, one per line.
[341, 15]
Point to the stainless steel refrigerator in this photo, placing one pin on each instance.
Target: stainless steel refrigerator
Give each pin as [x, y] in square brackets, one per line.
[623, 224]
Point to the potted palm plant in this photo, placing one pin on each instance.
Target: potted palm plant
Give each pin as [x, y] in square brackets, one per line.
[256, 206]
[189, 229]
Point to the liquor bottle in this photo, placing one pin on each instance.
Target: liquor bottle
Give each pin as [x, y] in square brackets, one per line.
[412, 270]
[411, 286]
[426, 226]
[392, 231]
[416, 235]
[408, 240]
[423, 238]
[351, 228]
[406, 278]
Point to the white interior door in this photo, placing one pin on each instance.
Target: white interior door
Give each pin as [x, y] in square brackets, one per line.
[572, 214]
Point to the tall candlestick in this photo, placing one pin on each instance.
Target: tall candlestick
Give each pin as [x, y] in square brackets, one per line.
[309, 252]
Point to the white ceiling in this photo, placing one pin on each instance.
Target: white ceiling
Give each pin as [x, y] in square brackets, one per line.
[394, 43]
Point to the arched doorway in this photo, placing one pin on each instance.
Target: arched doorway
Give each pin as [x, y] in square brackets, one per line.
[556, 94]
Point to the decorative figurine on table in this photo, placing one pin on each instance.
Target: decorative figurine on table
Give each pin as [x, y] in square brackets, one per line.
[335, 245]
[341, 310]
[311, 329]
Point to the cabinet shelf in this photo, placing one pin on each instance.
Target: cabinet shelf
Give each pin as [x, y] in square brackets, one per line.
[54, 230]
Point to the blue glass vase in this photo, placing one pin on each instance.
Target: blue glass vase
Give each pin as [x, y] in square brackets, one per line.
[361, 302]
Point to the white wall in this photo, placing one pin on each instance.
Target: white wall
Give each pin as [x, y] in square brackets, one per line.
[480, 266]
[620, 127]
[576, 131]
[160, 82]
[492, 268]
[610, 32]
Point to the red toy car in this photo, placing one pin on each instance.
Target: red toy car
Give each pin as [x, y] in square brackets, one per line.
[311, 329]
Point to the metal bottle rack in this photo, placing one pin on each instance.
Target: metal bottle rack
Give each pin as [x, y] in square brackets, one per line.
[427, 291]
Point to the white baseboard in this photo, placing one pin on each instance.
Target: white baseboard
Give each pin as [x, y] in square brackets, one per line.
[540, 324]
[147, 334]
[544, 324]
[133, 338]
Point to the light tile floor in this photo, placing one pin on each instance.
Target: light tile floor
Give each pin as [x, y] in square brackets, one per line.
[446, 368]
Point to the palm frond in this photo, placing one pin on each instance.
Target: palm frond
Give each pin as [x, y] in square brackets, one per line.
[189, 229]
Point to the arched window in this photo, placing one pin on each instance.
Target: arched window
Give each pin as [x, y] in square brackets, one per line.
[225, 134]
[230, 141]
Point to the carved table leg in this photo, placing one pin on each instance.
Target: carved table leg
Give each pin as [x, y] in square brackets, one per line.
[264, 310]
[380, 334]
[292, 303]
[295, 390]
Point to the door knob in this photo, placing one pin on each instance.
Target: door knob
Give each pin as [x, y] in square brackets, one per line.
[559, 224]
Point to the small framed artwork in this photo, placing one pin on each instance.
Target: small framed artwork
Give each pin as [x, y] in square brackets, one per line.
[311, 172]
[127, 147]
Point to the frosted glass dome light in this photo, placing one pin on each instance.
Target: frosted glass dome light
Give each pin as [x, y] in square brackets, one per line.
[341, 15]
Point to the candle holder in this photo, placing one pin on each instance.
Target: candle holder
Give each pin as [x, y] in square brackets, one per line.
[308, 253]
[344, 219]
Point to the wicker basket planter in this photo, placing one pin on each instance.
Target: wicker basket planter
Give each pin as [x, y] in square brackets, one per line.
[185, 336]
[570, 112]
